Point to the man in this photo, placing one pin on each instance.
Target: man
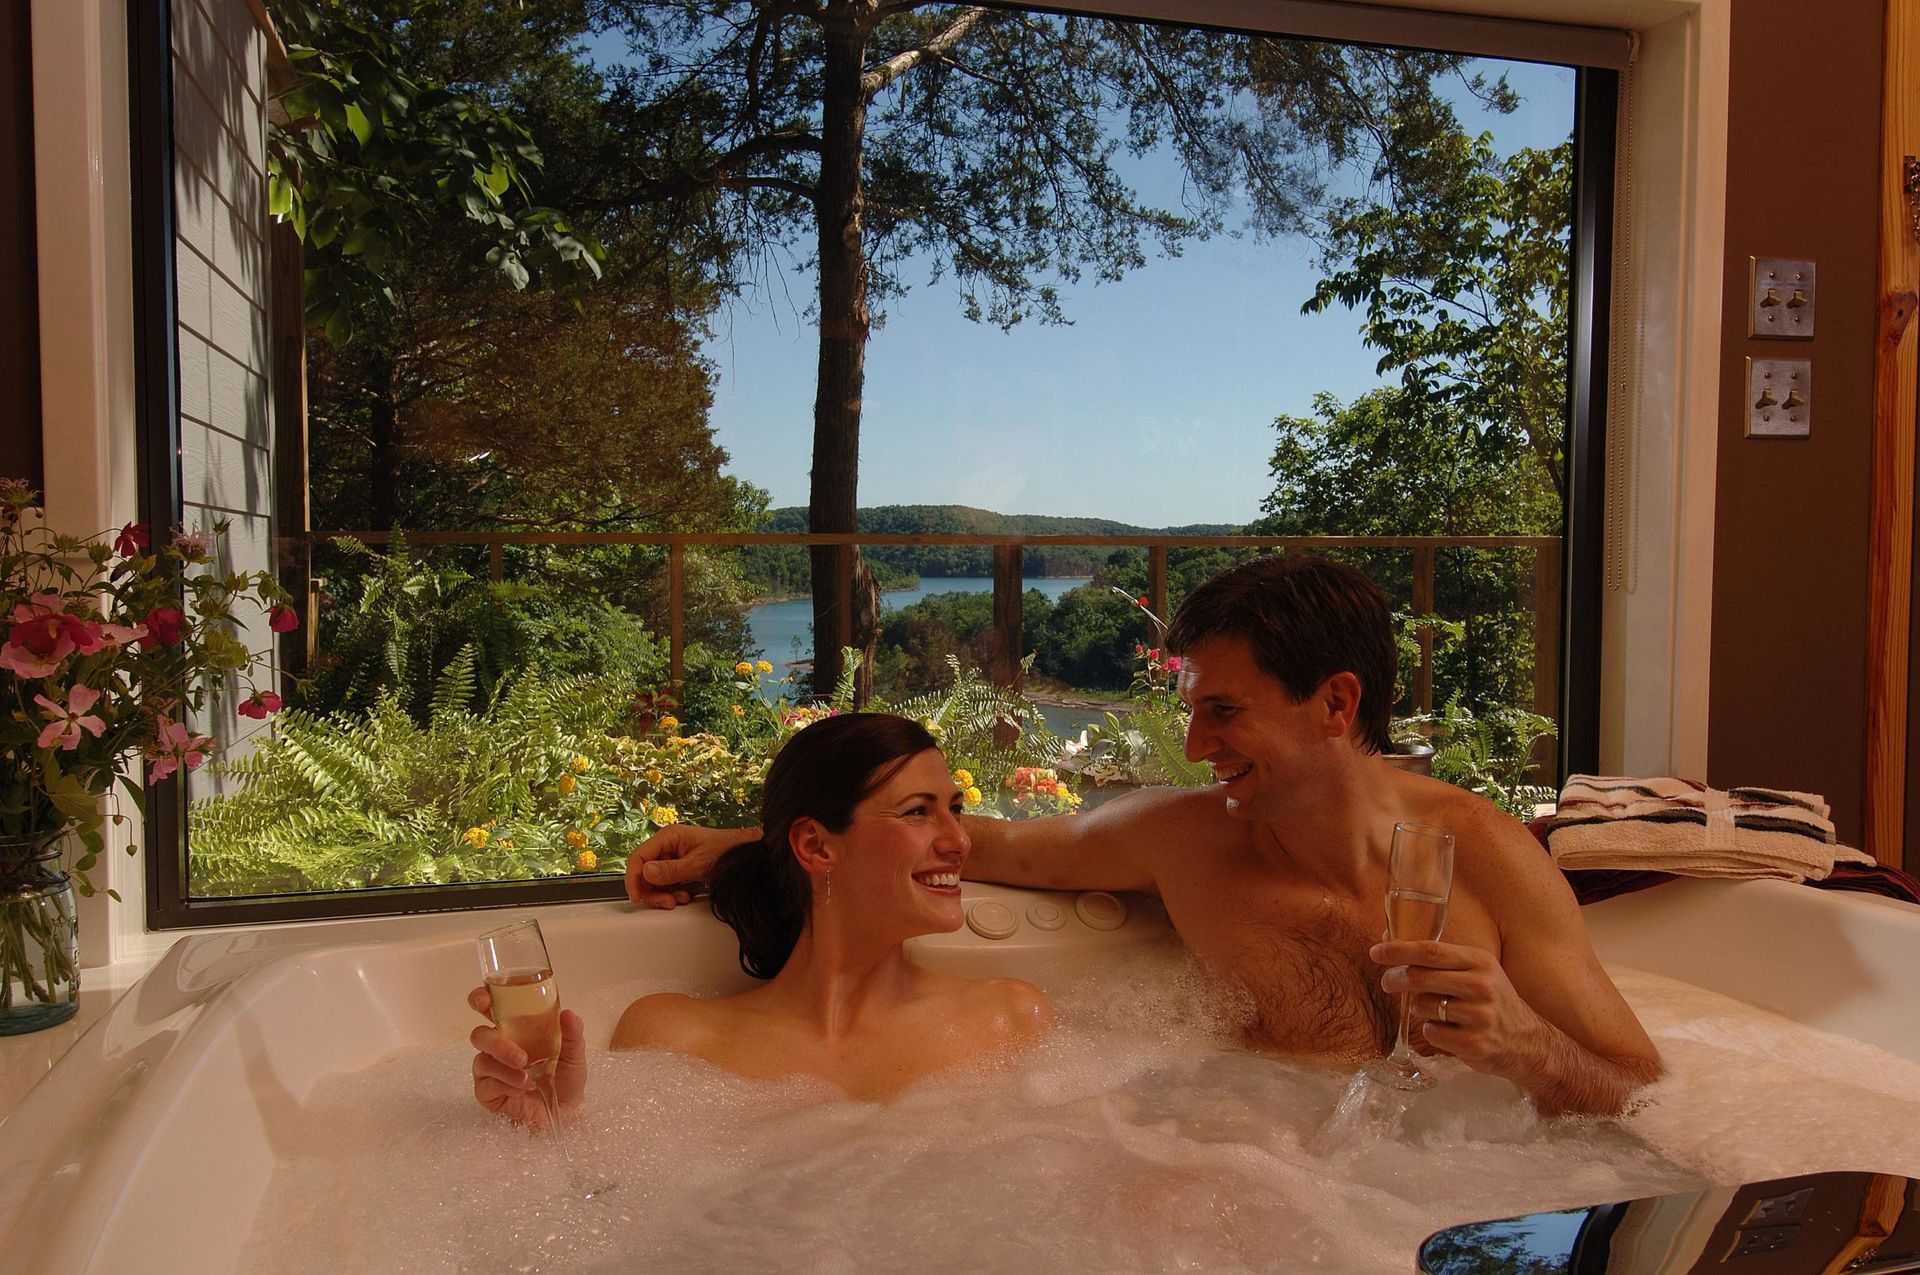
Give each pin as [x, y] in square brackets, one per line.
[1276, 875]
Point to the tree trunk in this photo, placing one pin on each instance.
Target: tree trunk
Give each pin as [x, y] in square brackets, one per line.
[383, 465]
[844, 325]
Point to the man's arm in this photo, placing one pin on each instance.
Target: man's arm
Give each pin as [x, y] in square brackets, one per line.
[1105, 849]
[1544, 1015]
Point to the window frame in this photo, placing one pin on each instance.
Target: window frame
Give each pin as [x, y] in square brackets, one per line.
[157, 434]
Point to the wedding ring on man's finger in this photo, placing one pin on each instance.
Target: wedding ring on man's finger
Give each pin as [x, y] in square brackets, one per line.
[1443, 1007]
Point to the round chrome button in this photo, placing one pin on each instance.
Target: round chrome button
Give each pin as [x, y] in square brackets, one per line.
[1045, 916]
[1100, 910]
[992, 920]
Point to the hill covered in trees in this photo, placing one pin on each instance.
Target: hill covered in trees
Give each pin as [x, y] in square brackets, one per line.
[781, 571]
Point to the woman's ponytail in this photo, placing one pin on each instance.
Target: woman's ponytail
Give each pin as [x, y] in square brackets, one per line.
[760, 892]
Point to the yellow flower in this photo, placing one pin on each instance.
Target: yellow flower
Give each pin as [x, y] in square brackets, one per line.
[566, 783]
[669, 724]
[963, 778]
[581, 765]
[1061, 790]
[506, 845]
[664, 815]
[476, 837]
[743, 669]
[577, 839]
[588, 861]
[739, 711]
[654, 777]
[971, 796]
[763, 666]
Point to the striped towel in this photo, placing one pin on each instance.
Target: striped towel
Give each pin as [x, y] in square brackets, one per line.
[1685, 827]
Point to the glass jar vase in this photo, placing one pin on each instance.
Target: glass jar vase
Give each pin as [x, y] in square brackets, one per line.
[39, 947]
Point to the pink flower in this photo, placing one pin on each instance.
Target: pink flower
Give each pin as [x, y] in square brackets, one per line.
[133, 538]
[70, 719]
[192, 543]
[121, 634]
[1173, 663]
[43, 635]
[281, 619]
[172, 745]
[166, 625]
[259, 704]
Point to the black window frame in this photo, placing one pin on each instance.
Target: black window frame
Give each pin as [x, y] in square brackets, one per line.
[157, 433]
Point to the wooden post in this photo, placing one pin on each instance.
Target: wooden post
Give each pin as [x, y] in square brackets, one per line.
[1890, 542]
[1423, 606]
[1157, 581]
[1008, 577]
[1546, 650]
[496, 561]
[676, 615]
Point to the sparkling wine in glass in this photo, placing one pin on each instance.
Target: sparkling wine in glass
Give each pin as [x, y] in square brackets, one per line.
[1419, 885]
[526, 1000]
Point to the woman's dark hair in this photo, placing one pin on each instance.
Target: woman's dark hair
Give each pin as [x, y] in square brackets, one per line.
[1307, 618]
[823, 772]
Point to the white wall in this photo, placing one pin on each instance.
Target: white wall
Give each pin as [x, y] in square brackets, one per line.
[220, 255]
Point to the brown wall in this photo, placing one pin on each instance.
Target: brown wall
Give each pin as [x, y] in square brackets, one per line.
[1788, 694]
[19, 280]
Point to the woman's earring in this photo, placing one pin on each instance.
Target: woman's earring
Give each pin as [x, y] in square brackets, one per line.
[829, 888]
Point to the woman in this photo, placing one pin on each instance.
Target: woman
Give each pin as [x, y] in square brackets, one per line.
[861, 849]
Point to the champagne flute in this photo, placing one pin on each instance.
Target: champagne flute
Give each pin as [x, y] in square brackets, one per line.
[526, 1001]
[1419, 885]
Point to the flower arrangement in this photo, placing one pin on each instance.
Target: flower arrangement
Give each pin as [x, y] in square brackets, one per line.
[110, 641]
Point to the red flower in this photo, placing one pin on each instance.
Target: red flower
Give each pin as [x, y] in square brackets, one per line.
[281, 619]
[166, 625]
[133, 538]
[1140, 602]
[259, 704]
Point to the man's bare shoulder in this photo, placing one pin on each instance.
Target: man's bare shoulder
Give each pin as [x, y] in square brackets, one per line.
[1149, 814]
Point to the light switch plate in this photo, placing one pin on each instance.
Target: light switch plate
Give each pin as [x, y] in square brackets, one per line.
[1779, 398]
[1780, 299]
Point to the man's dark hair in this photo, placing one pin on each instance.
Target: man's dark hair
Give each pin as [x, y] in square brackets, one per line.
[1307, 619]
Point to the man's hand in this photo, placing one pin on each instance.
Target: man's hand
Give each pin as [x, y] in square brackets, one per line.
[1486, 1024]
[662, 870]
[500, 1081]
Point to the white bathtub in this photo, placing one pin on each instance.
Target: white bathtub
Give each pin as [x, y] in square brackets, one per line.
[149, 1146]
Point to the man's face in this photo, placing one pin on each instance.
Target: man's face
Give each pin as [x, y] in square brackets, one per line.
[1260, 743]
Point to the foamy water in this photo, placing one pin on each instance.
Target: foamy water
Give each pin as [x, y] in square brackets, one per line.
[1132, 1140]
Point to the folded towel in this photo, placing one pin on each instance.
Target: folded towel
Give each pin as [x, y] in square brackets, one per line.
[1685, 827]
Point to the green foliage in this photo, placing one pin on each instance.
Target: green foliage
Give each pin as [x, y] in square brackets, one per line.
[355, 800]
[969, 716]
[1462, 282]
[370, 150]
[1490, 754]
[393, 621]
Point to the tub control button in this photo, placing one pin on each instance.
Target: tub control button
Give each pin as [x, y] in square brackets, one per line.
[1100, 910]
[992, 920]
[1045, 916]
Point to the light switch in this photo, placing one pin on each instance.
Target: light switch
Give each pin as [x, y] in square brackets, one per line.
[1780, 299]
[1779, 398]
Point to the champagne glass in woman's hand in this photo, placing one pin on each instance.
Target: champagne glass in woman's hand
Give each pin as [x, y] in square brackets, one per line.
[531, 1064]
[1419, 884]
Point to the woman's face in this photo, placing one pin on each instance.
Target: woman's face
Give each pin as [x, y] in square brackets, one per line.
[902, 851]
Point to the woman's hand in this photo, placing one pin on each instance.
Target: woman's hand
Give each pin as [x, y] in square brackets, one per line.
[500, 1083]
[662, 870]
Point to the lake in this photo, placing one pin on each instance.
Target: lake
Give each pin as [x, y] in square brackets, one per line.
[783, 631]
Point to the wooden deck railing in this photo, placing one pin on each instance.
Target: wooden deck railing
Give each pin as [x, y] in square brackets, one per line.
[1008, 553]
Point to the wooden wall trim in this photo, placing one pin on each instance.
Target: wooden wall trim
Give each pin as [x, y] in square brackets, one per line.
[1890, 582]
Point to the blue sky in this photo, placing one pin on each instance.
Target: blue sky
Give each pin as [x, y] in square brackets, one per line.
[1154, 407]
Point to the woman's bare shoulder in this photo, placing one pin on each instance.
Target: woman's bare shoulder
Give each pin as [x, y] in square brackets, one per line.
[1010, 1008]
[665, 1020]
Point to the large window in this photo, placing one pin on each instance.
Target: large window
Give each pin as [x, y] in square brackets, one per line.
[499, 333]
